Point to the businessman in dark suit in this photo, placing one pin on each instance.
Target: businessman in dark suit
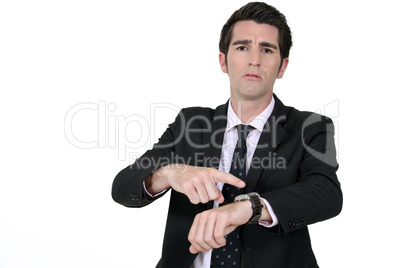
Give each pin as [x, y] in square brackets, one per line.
[289, 159]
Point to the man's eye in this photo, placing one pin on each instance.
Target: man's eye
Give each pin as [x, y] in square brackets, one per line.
[242, 48]
[267, 50]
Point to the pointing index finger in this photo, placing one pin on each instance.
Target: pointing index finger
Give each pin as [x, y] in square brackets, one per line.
[228, 178]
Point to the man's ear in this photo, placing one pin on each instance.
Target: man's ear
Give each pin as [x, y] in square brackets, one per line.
[283, 68]
[222, 62]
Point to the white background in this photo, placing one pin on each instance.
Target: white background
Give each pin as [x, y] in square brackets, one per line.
[131, 65]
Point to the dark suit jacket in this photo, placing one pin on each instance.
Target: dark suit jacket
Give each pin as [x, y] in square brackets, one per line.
[293, 168]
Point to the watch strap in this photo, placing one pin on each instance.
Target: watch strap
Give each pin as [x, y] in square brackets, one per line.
[257, 209]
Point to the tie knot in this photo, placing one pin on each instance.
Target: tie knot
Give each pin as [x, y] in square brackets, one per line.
[243, 131]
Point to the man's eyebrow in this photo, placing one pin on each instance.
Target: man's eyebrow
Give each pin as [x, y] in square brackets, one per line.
[262, 44]
[241, 42]
[267, 44]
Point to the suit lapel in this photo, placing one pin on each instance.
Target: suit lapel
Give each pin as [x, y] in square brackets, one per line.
[271, 137]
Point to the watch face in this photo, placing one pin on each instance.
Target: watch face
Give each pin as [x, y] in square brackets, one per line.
[241, 197]
[246, 196]
[254, 194]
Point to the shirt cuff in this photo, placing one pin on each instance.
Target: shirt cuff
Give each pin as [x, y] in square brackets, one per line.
[150, 195]
[274, 222]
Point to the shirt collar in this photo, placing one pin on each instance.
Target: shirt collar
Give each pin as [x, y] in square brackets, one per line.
[258, 122]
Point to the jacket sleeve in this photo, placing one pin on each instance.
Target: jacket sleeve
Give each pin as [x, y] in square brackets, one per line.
[316, 196]
[127, 188]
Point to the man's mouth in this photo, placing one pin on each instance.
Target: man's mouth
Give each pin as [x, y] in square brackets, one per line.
[251, 75]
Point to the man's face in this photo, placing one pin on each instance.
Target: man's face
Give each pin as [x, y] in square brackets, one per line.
[253, 60]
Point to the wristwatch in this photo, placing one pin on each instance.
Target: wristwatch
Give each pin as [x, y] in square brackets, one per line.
[255, 204]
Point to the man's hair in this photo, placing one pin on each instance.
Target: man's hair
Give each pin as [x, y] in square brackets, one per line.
[258, 12]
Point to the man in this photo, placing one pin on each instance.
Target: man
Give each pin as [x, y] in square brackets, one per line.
[247, 177]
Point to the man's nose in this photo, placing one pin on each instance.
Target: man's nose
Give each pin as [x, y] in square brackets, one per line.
[254, 58]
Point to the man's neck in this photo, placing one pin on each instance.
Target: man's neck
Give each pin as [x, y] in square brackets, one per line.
[247, 110]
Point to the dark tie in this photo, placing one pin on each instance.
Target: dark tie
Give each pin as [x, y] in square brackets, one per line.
[230, 254]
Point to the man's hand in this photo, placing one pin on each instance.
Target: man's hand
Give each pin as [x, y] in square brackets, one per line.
[197, 183]
[210, 227]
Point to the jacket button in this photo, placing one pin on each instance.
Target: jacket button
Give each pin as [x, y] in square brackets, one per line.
[135, 197]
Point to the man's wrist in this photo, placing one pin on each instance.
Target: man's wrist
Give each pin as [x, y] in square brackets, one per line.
[256, 205]
[156, 182]
[245, 210]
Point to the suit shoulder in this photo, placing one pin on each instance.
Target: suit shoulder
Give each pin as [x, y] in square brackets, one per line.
[300, 117]
[197, 110]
